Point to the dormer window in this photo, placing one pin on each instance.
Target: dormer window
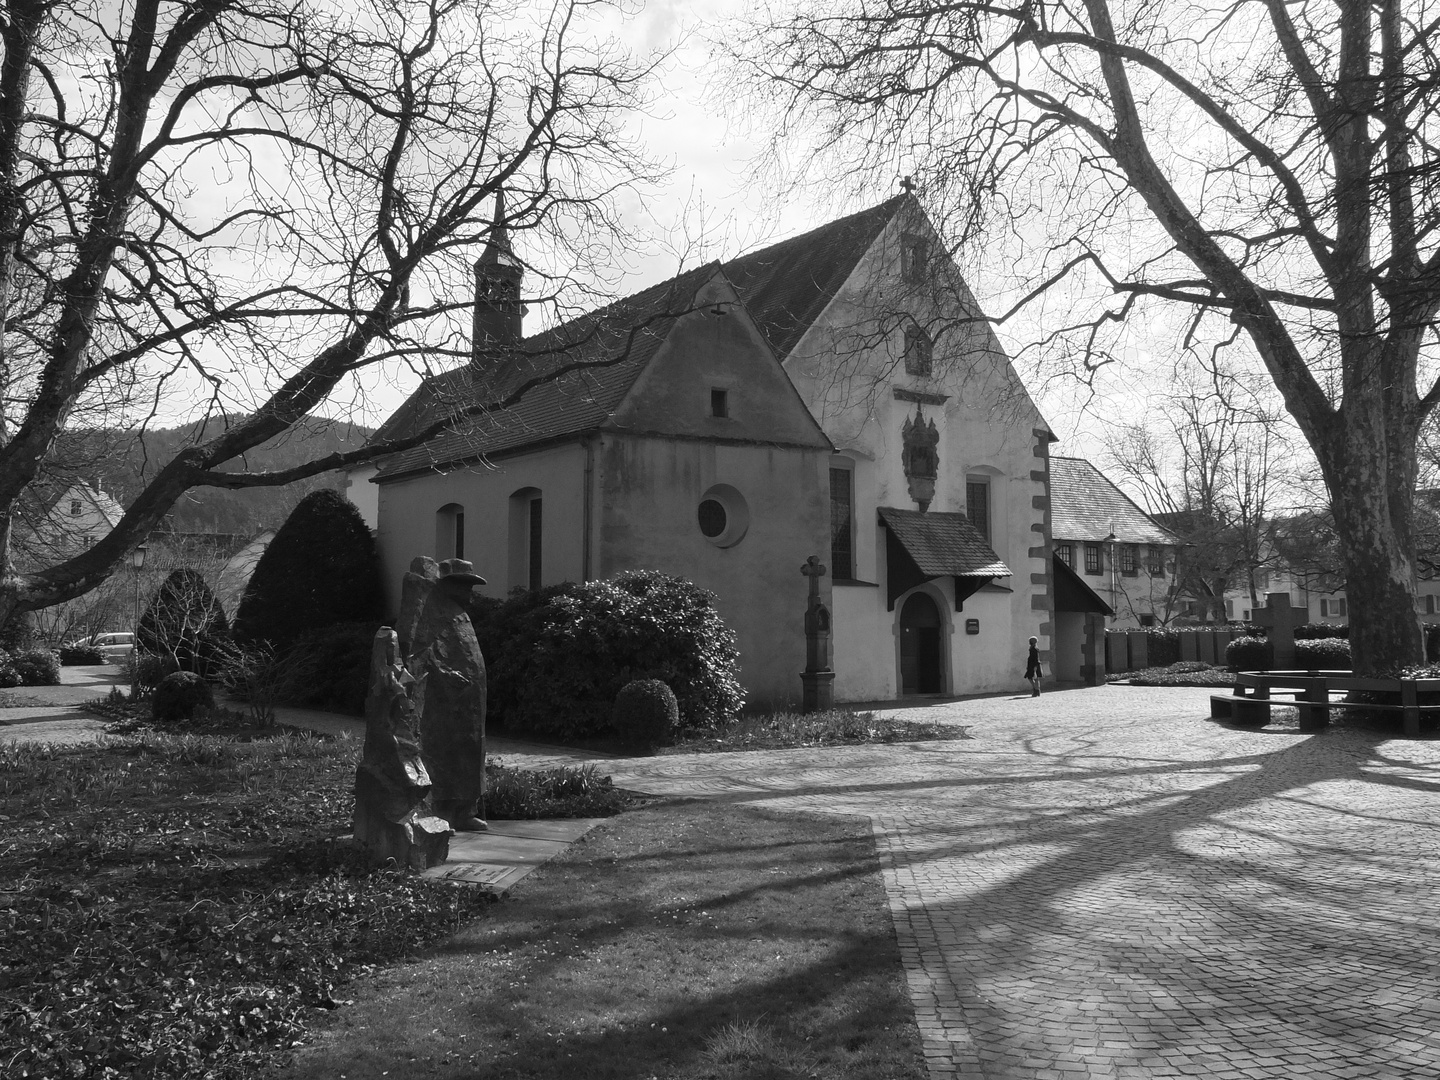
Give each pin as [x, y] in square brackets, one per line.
[720, 403]
[914, 252]
[918, 351]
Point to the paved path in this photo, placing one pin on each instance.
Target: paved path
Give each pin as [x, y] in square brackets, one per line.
[1103, 883]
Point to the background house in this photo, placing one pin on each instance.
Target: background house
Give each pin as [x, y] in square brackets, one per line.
[1117, 549]
[837, 394]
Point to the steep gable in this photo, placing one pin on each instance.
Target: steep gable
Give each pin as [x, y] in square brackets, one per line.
[715, 377]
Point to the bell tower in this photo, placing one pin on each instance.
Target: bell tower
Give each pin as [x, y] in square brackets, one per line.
[498, 310]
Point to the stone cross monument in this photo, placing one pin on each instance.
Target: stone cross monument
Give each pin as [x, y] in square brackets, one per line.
[817, 680]
[1280, 620]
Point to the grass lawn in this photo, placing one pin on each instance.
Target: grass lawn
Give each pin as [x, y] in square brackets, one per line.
[682, 940]
[170, 905]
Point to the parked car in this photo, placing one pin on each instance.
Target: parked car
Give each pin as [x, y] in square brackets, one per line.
[114, 646]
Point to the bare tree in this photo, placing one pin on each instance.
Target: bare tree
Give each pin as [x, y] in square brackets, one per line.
[1268, 165]
[258, 202]
[1211, 460]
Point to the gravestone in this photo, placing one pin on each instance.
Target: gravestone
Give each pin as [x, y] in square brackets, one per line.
[392, 818]
[1280, 620]
[817, 681]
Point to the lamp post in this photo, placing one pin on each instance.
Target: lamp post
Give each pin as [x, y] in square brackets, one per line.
[137, 563]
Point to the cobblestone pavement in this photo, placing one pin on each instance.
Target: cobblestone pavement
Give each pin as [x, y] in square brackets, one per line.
[1104, 883]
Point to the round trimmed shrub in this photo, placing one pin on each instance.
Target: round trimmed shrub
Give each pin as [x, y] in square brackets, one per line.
[36, 667]
[322, 568]
[178, 696]
[1331, 653]
[1249, 654]
[646, 713]
[145, 671]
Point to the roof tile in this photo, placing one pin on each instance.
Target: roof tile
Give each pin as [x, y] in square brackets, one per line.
[943, 543]
[1085, 505]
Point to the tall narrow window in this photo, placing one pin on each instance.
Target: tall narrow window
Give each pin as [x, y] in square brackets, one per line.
[1430, 605]
[842, 522]
[720, 403]
[977, 506]
[535, 544]
[1157, 561]
[1094, 559]
[524, 565]
[1066, 554]
[919, 352]
[450, 532]
[1129, 556]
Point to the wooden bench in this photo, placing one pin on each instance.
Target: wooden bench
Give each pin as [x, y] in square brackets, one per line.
[1310, 691]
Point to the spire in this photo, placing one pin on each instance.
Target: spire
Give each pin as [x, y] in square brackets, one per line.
[498, 310]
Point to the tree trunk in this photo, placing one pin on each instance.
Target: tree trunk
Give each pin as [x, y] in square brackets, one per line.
[1372, 500]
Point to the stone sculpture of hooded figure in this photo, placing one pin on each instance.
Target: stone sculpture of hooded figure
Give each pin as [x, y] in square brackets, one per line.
[445, 659]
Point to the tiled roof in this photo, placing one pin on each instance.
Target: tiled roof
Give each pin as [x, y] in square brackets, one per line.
[1084, 505]
[785, 287]
[943, 543]
[574, 402]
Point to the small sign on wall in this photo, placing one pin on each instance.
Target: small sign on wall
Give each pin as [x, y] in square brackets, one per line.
[972, 626]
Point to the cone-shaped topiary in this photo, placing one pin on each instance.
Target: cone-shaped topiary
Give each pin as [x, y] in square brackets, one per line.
[322, 568]
[646, 713]
[185, 624]
[178, 696]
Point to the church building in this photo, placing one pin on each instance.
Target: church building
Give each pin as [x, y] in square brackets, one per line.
[836, 394]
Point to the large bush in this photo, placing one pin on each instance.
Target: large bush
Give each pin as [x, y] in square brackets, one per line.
[185, 624]
[558, 656]
[322, 568]
[36, 667]
[1249, 654]
[336, 663]
[1323, 654]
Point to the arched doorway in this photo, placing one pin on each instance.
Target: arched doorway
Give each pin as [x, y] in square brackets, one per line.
[921, 668]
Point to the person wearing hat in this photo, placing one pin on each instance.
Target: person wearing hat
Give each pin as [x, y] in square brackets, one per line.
[446, 658]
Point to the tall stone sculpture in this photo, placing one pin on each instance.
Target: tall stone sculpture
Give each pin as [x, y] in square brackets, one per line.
[444, 658]
[817, 681]
[392, 818]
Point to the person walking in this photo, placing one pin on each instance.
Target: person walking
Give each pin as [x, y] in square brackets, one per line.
[1032, 667]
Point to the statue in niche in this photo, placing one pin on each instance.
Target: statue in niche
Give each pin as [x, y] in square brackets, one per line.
[920, 458]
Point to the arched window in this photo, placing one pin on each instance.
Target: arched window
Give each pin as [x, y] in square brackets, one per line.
[527, 519]
[450, 532]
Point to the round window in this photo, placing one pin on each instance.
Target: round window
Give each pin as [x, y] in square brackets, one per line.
[723, 516]
[712, 518]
